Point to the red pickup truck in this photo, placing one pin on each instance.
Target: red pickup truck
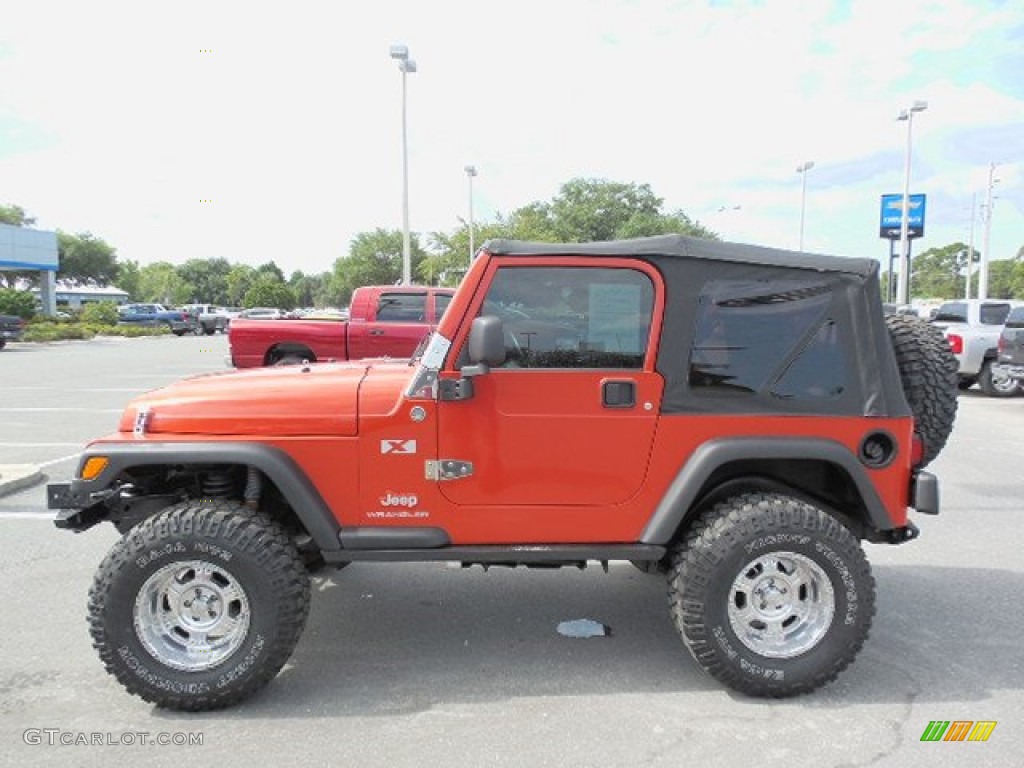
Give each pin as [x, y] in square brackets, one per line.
[384, 321]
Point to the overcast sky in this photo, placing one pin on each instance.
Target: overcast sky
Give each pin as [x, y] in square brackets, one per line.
[121, 118]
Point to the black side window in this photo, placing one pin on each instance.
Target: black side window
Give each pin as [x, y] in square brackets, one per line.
[402, 308]
[951, 312]
[1015, 318]
[993, 314]
[441, 302]
[756, 335]
[572, 317]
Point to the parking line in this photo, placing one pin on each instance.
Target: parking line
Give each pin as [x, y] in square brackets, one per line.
[60, 460]
[61, 410]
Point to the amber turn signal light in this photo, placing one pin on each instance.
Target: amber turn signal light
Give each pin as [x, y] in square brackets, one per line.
[94, 466]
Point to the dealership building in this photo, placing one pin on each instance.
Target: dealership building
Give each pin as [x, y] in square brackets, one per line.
[32, 250]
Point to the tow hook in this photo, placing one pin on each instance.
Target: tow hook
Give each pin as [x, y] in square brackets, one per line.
[903, 535]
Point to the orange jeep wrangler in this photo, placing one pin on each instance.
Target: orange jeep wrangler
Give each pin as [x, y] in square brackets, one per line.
[736, 418]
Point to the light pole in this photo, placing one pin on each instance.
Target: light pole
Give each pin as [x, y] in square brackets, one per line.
[903, 294]
[470, 174]
[970, 247]
[983, 265]
[405, 65]
[802, 169]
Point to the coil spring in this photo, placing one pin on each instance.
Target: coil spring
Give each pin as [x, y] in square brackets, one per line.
[217, 485]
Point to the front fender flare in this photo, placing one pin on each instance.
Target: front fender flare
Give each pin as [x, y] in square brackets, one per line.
[297, 489]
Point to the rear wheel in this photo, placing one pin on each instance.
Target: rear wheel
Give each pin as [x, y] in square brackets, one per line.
[995, 383]
[772, 596]
[200, 606]
[928, 372]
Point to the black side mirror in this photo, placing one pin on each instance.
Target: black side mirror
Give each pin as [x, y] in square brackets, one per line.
[486, 346]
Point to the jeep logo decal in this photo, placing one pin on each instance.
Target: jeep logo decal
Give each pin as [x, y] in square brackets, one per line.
[391, 500]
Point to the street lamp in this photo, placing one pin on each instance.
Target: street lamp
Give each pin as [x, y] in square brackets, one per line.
[983, 265]
[802, 169]
[470, 174]
[903, 294]
[405, 65]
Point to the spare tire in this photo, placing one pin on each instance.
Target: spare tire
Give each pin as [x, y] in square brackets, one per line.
[928, 371]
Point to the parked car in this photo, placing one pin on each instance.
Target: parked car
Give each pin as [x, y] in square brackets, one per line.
[262, 313]
[385, 321]
[1011, 347]
[972, 328]
[178, 321]
[707, 418]
[11, 328]
[209, 318]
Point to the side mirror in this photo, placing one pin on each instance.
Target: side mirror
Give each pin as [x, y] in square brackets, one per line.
[486, 346]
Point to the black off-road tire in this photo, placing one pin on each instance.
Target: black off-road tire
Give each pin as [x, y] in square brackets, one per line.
[996, 384]
[806, 567]
[928, 371]
[233, 568]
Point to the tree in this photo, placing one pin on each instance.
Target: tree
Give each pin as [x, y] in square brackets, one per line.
[272, 270]
[85, 259]
[598, 209]
[128, 276]
[310, 290]
[1006, 279]
[267, 292]
[15, 216]
[939, 272]
[374, 258]
[160, 282]
[208, 278]
[240, 279]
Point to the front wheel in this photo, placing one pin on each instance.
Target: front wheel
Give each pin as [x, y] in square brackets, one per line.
[199, 606]
[771, 595]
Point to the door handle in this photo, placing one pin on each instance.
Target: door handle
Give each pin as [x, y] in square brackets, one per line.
[375, 332]
[618, 394]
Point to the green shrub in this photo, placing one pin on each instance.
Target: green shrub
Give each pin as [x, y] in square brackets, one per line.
[20, 303]
[51, 331]
[100, 313]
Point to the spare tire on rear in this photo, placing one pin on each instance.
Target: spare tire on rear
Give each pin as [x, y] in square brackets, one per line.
[928, 371]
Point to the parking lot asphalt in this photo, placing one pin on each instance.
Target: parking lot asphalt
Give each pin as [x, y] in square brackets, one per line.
[409, 665]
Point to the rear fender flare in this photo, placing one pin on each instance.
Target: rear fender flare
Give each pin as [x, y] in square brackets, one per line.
[683, 493]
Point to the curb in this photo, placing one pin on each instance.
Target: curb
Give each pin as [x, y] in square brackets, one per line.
[16, 477]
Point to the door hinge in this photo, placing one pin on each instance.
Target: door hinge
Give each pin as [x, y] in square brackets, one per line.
[449, 469]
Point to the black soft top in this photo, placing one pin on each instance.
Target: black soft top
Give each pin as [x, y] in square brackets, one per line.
[688, 247]
[871, 383]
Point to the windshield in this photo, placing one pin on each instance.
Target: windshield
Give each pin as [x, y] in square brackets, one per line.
[424, 383]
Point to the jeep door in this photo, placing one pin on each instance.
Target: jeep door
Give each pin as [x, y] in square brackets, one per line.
[568, 420]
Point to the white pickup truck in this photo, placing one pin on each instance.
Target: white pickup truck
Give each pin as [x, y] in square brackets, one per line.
[972, 327]
[211, 318]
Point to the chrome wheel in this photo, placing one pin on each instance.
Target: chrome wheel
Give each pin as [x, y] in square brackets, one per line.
[781, 605]
[192, 615]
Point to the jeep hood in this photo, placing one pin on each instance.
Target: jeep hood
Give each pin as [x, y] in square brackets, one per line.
[317, 400]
